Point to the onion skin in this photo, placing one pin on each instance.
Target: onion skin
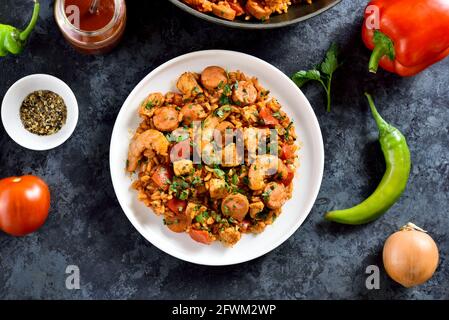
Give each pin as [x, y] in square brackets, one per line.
[410, 256]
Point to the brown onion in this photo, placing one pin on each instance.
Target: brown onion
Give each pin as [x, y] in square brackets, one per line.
[410, 256]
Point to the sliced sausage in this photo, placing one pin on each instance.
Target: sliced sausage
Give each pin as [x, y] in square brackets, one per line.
[235, 206]
[244, 93]
[192, 112]
[166, 119]
[178, 223]
[188, 85]
[212, 77]
[275, 195]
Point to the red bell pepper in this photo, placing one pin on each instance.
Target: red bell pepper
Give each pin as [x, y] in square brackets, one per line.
[406, 36]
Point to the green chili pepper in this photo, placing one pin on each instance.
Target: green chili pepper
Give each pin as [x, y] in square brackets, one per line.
[13, 40]
[397, 158]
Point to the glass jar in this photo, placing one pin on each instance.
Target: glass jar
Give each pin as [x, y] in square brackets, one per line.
[93, 41]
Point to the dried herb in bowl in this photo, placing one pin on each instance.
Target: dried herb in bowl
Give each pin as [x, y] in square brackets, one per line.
[43, 113]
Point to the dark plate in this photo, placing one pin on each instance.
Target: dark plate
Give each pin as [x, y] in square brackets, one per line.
[296, 13]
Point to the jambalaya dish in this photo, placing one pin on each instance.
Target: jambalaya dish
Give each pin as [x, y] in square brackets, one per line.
[215, 159]
[230, 9]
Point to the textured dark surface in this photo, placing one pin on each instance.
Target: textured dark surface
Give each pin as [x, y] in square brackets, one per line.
[87, 227]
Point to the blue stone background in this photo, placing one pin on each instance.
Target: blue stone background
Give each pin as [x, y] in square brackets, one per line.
[321, 260]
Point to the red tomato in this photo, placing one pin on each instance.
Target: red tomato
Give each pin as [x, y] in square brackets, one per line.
[201, 236]
[176, 205]
[288, 179]
[24, 204]
[288, 151]
[161, 177]
[267, 117]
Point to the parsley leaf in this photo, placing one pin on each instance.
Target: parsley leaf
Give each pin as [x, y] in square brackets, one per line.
[322, 73]
[330, 63]
[302, 77]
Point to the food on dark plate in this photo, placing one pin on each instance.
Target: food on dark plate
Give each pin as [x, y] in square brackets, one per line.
[200, 159]
[245, 9]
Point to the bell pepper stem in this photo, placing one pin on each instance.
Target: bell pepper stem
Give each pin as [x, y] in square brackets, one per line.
[26, 33]
[383, 46]
[378, 52]
[381, 123]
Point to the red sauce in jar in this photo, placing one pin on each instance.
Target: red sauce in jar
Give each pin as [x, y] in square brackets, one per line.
[89, 21]
[89, 33]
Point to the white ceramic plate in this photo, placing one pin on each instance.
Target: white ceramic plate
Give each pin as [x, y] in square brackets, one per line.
[13, 100]
[307, 180]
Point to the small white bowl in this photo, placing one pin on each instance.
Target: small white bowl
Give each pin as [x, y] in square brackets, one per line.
[12, 102]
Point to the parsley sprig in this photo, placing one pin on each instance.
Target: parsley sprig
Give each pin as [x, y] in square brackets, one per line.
[322, 73]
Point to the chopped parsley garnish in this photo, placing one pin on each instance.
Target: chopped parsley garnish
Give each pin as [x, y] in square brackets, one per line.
[149, 105]
[266, 194]
[196, 89]
[287, 131]
[220, 111]
[226, 209]
[202, 217]
[227, 89]
[220, 173]
[263, 214]
[196, 180]
[181, 138]
[176, 138]
[167, 223]
[278, 115]
[184, 194]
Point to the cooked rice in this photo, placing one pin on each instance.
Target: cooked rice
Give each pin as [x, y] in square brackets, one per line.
[207, 216]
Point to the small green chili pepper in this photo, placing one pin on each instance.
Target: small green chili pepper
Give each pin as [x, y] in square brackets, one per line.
[397, 158]
[13, 40]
